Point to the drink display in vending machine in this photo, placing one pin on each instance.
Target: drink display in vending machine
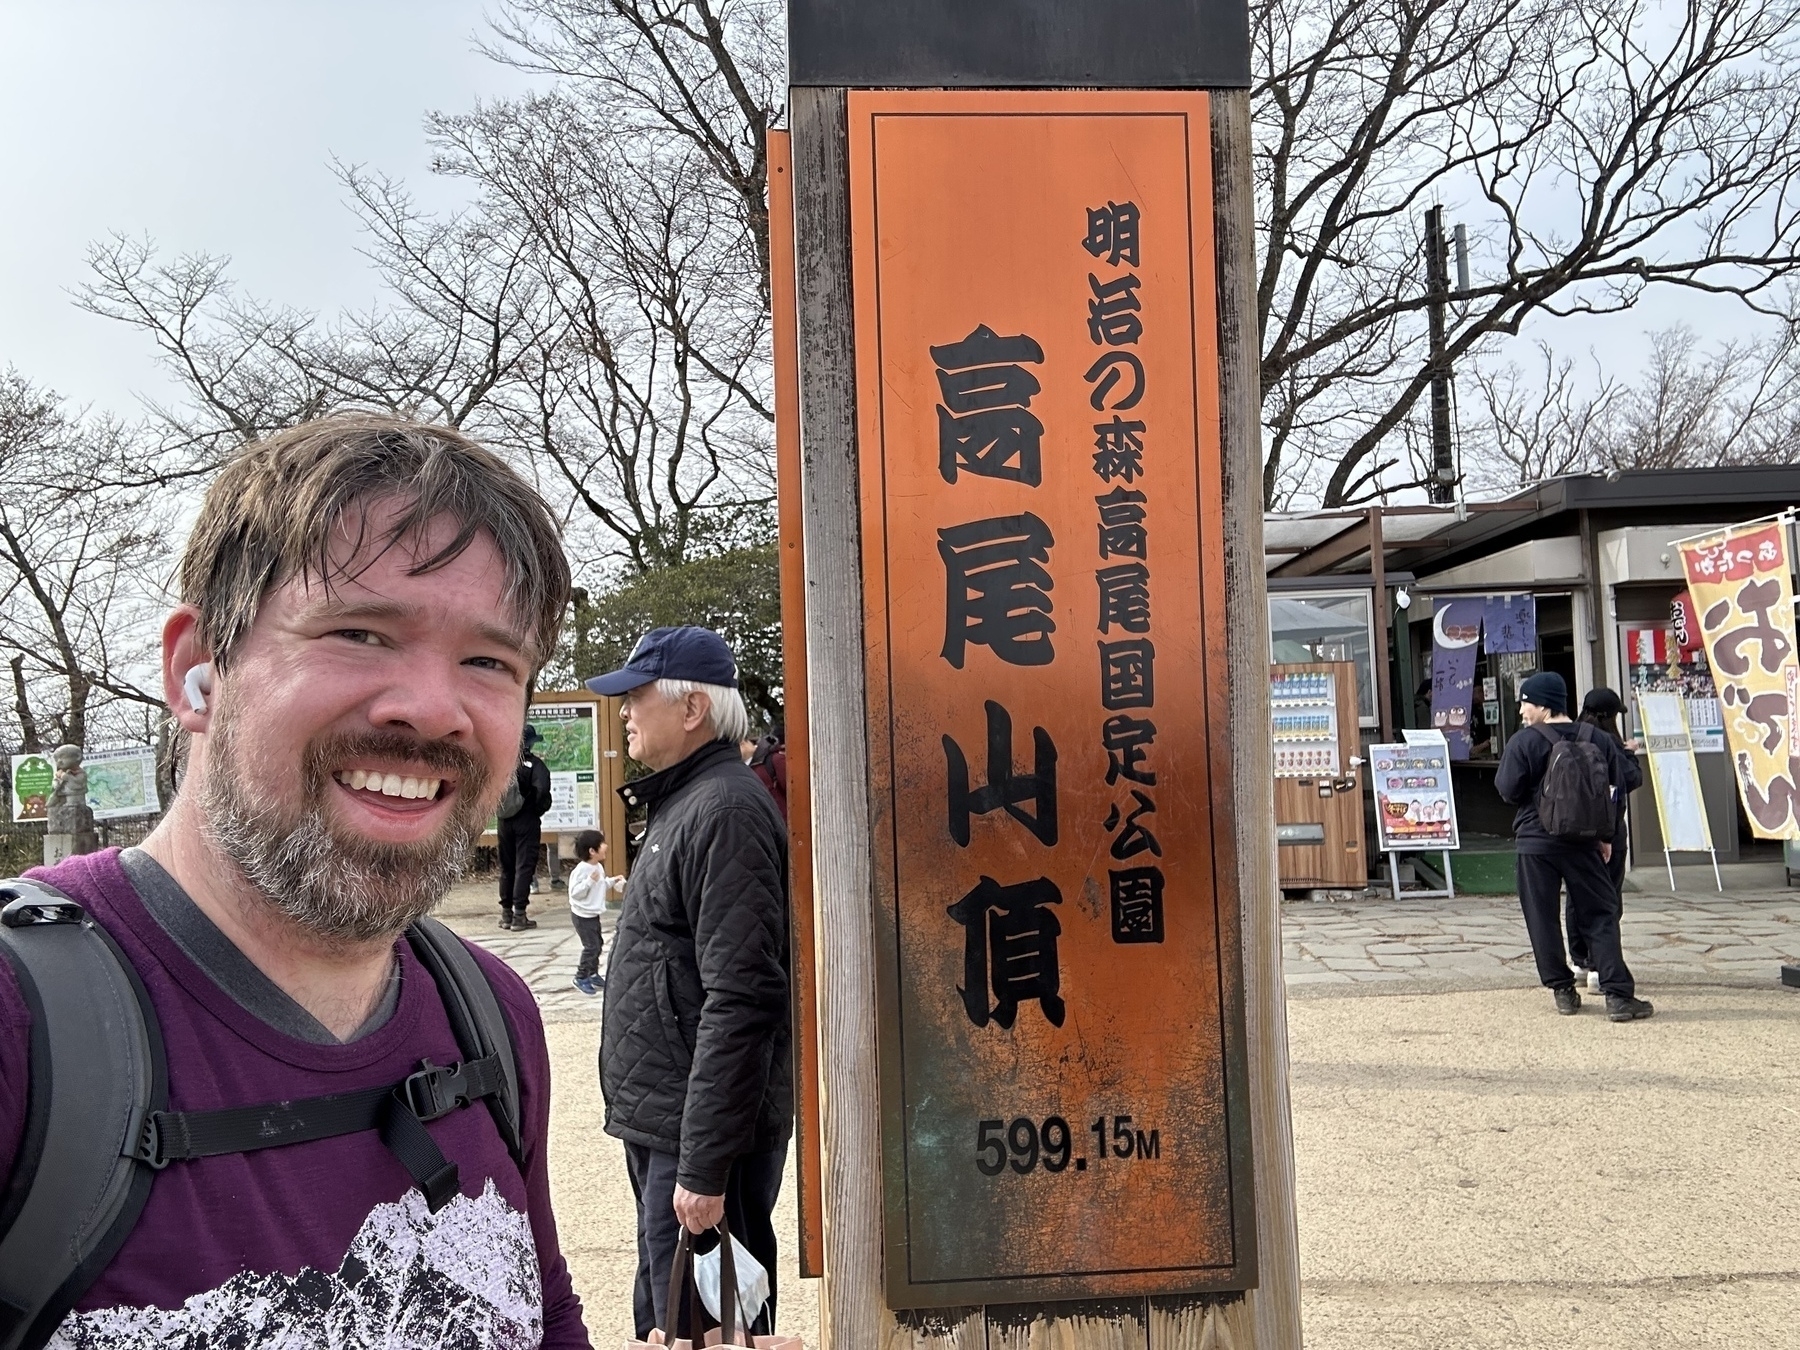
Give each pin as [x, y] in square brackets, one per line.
[1318, 775]
[1303, 706]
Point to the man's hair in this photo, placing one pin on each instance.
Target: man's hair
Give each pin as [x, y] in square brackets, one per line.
[729, 717]
[271, 514]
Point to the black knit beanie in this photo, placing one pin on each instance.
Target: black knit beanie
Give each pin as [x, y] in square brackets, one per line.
[1547, 690]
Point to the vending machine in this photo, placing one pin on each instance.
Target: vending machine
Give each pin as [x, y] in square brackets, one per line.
[1318, 775]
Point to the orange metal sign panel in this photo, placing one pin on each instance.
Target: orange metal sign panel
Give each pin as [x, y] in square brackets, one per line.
[1061, 1040]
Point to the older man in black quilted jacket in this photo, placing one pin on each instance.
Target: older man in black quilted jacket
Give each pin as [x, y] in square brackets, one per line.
[695, 1041]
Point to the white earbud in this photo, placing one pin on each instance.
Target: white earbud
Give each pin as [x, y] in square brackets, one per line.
[197, 684]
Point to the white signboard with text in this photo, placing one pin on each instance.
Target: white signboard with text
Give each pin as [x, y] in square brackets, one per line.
[1673, 774]
[1414, 807]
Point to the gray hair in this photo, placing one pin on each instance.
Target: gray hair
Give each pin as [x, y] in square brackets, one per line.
[729, 717]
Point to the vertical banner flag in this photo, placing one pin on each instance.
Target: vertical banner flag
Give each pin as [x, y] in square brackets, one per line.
[1744, 600]
[1674, 777]
[1455, 629]
[1684, 624]
[1058, 985]
[1509, 624]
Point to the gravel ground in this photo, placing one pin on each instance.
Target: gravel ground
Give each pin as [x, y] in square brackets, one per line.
[595, 1211]
[1473, 1171]
[595, 1214]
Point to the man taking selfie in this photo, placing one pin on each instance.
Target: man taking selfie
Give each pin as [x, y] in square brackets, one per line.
[335, 1133]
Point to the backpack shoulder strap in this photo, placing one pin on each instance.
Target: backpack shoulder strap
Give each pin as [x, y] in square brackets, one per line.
[96, 1071]
[476, 1020]
[1548, 735]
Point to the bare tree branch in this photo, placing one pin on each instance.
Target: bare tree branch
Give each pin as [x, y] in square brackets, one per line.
[80, 571]
[1598, 150]
[1737, 403]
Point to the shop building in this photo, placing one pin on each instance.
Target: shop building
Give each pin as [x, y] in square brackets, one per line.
[1576, 574]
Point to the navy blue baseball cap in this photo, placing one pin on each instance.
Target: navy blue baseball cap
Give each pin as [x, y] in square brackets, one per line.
[685, 653]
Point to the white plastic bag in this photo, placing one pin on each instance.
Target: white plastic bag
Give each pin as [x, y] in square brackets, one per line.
[752, 1282]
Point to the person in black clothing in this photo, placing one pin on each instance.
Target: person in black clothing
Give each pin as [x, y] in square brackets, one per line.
[519, 836]
[695, 1043]
[1601, 709]
[1546, 864]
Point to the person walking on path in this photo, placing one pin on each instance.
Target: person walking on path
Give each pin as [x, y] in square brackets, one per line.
[1553, 765]
[364, 604]
[521, 830]
[588, 888]
[1601, 709]
[695, 1044]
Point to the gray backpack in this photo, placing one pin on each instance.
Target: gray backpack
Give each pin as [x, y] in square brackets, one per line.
[1575, 801]
[512, 801]
[97, 1128]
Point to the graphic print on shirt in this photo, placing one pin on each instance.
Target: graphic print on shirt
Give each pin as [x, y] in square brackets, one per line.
[466, 1277]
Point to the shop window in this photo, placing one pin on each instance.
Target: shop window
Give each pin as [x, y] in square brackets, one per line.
[1327, 626]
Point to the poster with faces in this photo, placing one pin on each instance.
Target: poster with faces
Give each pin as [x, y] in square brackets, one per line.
[1414, 807]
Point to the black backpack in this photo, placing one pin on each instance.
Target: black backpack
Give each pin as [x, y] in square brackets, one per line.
[1575, 799]
[97, 1130]
[512, 801]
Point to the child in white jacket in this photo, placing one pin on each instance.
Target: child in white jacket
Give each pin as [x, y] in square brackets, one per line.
[588, 889]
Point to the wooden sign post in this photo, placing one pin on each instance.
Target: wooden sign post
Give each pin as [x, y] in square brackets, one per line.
[1051, 1049]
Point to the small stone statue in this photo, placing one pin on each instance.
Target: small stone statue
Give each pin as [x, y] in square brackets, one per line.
[70, 821]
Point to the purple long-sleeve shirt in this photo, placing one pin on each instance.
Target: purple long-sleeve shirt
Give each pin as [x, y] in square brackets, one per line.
[323, 1243]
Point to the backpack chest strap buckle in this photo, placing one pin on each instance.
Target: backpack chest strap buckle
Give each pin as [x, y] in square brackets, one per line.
[438, 1089]
[435, 1090]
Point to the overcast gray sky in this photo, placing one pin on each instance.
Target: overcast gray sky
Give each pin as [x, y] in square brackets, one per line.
[208, 125]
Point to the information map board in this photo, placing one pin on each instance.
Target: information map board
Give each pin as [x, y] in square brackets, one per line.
[122, 783]
[570, 749]
[569, 736]
[1061, 1035]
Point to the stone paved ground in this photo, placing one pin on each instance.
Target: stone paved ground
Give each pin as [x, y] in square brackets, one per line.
[1382, 945]
[545, 955]
[1478, 942]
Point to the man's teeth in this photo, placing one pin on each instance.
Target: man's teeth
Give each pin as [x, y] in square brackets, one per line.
[389, 784]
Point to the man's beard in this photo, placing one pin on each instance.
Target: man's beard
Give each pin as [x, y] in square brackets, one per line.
[328, 880]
